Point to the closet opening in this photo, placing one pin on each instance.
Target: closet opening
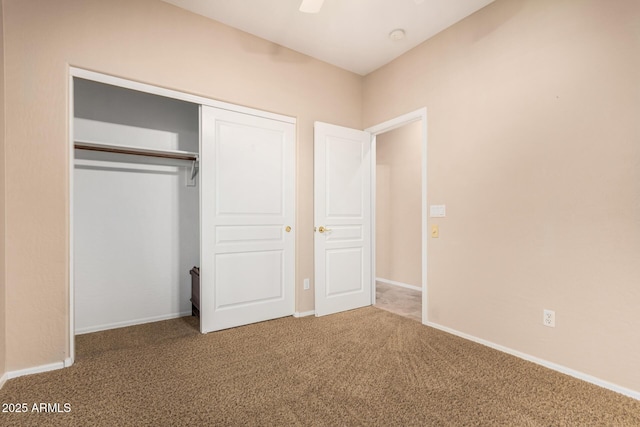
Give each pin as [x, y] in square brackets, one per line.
[162, 182]
[136, 206]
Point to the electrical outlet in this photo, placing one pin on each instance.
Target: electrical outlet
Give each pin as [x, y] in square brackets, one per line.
[306, 284]
[549, 318]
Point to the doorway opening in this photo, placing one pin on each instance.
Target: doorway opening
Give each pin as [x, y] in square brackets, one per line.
[398, 225]
[399, 215]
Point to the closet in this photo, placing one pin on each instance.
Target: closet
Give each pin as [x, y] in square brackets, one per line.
[164, 181]
[136, 216]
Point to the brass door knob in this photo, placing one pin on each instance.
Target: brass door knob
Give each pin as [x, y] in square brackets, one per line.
[322, 229]
[287, 229]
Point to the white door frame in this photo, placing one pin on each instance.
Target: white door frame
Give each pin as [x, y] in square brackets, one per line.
[420, 114]
[140, 87]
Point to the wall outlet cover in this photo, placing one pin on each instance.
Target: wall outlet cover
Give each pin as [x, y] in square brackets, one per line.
[549, 318]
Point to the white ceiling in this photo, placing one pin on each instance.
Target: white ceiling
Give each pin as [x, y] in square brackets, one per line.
[351, 34]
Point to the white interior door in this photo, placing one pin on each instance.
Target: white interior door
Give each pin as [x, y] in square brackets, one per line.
[342, 200]
[247, 177]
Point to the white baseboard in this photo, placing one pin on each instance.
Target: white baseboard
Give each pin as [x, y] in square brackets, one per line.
[304, 313]
[132, 322]
[35, 370]
[3, 379]
[554, 366]
[400, 284]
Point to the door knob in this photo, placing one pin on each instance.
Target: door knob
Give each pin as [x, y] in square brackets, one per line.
[288, 229]
[322, 229]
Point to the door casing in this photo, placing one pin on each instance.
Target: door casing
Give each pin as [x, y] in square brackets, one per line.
[389, 125]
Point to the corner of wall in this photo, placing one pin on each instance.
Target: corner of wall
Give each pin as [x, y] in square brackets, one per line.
[3, 373]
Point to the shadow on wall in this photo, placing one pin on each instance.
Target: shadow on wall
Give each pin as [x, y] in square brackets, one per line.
[495, 18]
[276, 52]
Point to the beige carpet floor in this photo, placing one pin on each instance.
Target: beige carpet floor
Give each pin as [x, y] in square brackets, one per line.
[363, 367]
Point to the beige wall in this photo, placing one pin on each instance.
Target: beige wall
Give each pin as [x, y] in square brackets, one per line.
[399, 205]
[3, 351]
[533, 144]
[152, 42]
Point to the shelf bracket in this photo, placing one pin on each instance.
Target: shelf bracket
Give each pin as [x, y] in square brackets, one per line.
[194, 169]
[192, 173]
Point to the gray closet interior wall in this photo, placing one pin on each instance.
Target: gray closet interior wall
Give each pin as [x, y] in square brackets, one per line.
[136, 221]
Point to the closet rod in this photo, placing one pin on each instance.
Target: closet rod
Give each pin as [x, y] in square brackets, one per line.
[178, 155]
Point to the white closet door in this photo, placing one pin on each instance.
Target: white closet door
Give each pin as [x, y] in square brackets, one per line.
[248, 171]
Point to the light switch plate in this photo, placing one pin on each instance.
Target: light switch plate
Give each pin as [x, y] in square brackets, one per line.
[437, 211]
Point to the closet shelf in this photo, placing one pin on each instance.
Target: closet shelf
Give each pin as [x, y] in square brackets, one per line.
[136, 151]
